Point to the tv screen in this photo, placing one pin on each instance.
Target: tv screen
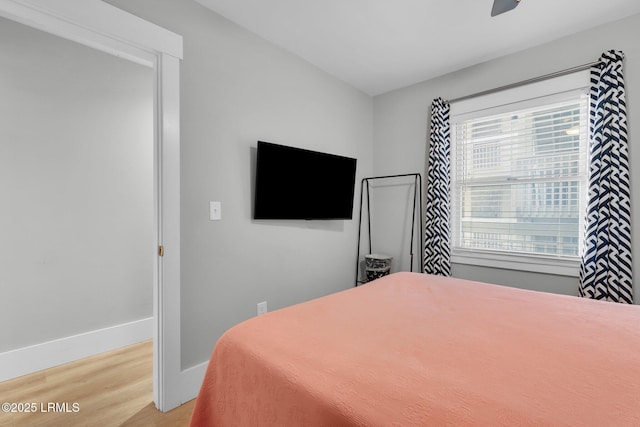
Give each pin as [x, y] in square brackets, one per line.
[293, 183]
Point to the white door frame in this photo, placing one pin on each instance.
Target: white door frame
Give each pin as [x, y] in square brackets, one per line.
[109, 29]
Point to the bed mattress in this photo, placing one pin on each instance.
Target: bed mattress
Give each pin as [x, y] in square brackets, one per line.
[412, 349]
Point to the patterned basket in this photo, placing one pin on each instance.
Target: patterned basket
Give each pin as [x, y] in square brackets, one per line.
[376, 266]
[375, 261]
[376, 273]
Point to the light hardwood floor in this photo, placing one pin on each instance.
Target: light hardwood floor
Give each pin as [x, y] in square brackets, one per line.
[110, 389]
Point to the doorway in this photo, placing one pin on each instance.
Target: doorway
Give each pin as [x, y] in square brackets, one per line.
[106, 28]
[76, 177]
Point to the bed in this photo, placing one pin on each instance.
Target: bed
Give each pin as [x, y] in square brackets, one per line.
[413, 349]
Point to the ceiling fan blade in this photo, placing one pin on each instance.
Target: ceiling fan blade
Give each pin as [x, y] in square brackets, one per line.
[502, 6]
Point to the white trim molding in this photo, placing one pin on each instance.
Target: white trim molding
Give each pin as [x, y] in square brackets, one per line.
[561, 266]
[96, 24]
[34, 358]
[167, 354]
[191, 380]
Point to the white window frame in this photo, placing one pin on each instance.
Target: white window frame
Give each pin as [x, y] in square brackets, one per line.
[532, 95]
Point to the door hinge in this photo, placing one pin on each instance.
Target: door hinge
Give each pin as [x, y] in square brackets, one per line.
[160, 250]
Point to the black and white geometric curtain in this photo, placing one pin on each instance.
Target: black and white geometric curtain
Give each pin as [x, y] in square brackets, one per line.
[437, 245]
[605, 272]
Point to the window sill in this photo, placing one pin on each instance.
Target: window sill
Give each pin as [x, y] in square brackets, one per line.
[561, 266]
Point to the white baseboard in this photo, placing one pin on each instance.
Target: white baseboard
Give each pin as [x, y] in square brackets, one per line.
[191, 380]
[22, 361]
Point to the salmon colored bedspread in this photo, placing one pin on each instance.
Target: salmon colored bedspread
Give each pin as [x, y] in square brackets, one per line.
[417, 350]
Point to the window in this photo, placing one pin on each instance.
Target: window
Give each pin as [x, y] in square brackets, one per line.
[519, 182]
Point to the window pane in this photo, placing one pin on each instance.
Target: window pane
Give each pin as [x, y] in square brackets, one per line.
[519, 180]
[540, 218]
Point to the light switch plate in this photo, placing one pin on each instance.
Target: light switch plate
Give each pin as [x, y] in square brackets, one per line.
[215, 211]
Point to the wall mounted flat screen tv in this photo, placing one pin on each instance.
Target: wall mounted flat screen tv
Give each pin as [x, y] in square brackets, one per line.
[293, 183]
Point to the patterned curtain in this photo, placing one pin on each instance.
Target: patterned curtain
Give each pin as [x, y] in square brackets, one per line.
[605, 272]
[437, 245]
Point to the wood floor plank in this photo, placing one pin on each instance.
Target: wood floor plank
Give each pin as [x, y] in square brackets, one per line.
[110, 389]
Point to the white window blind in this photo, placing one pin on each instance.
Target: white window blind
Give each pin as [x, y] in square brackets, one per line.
[519, 177]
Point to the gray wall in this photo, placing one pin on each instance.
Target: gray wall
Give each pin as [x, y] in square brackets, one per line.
[76, 155]
[236, 88]
[401, 121]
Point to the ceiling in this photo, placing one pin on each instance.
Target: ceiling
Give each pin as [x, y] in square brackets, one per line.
[381, 45]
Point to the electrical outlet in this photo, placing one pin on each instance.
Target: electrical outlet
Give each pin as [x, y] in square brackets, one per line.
[262, 307]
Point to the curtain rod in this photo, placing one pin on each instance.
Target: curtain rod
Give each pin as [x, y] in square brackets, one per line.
[528, 81]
